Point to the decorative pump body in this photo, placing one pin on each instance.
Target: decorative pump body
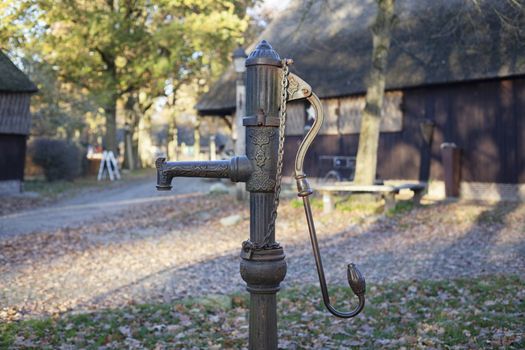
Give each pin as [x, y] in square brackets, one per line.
[269, 86]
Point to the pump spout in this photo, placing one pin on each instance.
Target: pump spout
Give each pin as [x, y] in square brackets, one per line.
[237, 169]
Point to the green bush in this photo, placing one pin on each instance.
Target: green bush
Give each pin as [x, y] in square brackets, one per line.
[60, 160]
[402, 207]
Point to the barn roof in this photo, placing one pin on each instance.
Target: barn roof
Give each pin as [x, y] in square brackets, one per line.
[13, 79]
[433, 42]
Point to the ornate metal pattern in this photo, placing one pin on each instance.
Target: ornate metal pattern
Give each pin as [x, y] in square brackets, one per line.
[293, 85]
[261, 139]
[263, 181]
[260, 158]
[203, 170]
[163, 181]
[297, 88]
[166, 171]
[259, 153]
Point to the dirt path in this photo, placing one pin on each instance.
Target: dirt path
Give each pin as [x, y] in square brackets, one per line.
[90, 206]
[174, 246]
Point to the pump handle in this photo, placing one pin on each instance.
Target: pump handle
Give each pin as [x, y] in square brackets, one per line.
[355, 278]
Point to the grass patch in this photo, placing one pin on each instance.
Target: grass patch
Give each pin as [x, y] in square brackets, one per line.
[482, 312]
[401, 208]
[62, 187]
[344, 203]
[364, 204]
[315, 202]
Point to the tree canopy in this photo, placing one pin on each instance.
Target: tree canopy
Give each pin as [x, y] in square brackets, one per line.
[108, 49]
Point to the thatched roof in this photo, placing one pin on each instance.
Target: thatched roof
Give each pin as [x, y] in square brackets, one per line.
[434, 42]
[13, 79]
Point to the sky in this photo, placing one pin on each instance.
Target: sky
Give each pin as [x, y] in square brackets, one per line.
[267, 7]
[276, 4]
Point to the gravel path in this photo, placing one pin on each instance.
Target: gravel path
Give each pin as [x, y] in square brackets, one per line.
[91, 206]
[162, 250]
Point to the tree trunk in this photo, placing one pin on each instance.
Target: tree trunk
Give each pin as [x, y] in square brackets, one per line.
[131, 160]
[144, 141]
[197, 140]
[172, 142]
[135, 144]
[110, 143]
[366, 163]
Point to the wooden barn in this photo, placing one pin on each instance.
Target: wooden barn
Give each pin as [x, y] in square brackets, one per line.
[456, 74]
[15, 124]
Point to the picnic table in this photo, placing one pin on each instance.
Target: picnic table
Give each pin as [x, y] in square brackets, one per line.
[387, 192]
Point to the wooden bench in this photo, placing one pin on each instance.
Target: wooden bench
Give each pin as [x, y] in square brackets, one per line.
[387, 192]
[418, 190]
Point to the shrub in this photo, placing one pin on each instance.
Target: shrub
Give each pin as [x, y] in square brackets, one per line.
[58, 158]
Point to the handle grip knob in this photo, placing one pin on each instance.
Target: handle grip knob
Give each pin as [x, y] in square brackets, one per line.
[356, 280]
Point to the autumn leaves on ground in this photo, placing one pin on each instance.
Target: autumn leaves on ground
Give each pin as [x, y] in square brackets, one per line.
[164, 274]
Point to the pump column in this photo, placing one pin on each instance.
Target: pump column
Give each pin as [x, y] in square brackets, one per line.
[262, 269]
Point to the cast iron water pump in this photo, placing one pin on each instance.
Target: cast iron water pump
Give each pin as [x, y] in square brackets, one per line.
[269, 87]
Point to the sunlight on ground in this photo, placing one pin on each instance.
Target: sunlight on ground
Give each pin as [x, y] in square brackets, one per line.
[169, 249]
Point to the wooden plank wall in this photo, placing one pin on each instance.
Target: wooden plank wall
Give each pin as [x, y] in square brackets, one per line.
[14, 113]
[12, 157]
[482, 119]
[485, 119]
[519, 114]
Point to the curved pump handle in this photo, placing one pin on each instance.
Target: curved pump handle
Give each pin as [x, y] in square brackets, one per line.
[298, 88]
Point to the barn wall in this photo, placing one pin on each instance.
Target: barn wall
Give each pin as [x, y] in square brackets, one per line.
[485, 119]
[482, 119]
[12, 157]
[519, 115]
[14, 113]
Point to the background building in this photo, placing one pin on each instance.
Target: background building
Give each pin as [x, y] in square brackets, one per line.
[15, 124]
[456, 74]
